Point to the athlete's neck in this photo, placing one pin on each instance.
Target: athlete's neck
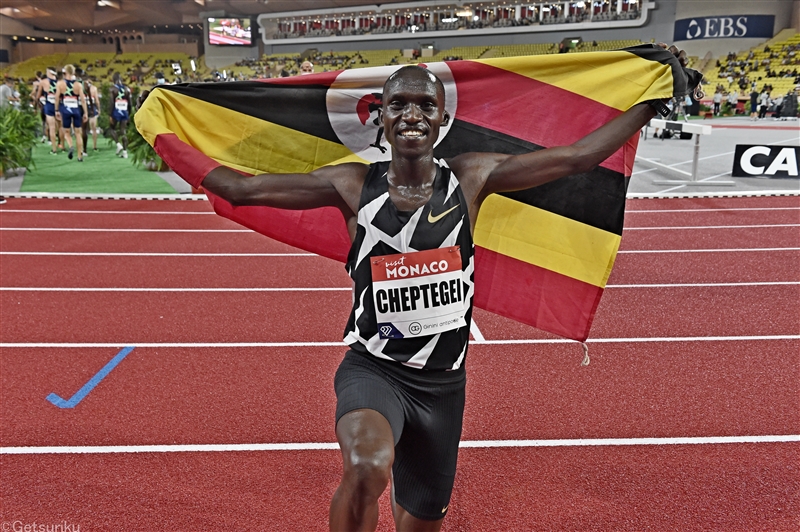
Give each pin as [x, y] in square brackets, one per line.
[415, 172]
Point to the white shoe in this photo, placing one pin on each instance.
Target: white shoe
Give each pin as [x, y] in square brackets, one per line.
[124, 154]
[119, 148]
[85, 154]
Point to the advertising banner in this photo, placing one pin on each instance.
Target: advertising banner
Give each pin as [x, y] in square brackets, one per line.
[766, 161]
[725, 27]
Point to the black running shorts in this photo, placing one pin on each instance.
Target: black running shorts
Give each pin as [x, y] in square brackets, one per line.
[425, 410]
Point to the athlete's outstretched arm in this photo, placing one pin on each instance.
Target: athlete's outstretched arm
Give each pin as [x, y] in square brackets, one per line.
[330, 186]
[536, 168]
[503, 173]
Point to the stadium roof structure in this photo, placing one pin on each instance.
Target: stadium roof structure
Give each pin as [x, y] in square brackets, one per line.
[77, 15]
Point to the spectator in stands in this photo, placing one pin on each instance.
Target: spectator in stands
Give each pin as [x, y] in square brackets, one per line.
[733, 100]
[7, 97]
[717, 101]
[120, 107]
[754, 104]
[778, 102]
[763, 103]
[307, 67]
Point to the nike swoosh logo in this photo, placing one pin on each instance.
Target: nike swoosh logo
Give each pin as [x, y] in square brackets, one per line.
[433, 219]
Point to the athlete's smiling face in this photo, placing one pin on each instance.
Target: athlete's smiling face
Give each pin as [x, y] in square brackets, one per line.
[413, 111]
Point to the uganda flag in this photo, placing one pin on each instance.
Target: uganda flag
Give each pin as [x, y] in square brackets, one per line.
[543, 256]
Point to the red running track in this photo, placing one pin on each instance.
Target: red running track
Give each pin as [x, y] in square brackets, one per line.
[732, 386]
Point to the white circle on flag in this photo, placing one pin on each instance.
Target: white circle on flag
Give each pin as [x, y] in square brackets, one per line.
[353, 101]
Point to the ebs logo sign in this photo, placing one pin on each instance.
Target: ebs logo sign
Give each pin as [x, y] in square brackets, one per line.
[729, 27]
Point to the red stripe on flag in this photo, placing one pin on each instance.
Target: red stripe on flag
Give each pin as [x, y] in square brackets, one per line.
[188, 162]
[300, 229]
[533, 295]
[297, 228]
[530, 110]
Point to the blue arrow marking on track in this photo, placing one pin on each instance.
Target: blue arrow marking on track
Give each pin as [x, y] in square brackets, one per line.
[89, 386]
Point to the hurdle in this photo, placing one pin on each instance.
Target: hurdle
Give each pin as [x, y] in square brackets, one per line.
[697, 131]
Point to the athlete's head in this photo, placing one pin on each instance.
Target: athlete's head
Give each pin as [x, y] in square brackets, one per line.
[69, 70]
[51, 72]
[413, 110]
[115, 78]
[307, 67]
[418, 73]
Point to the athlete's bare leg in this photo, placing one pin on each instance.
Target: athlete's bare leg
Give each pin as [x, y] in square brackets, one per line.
[51, 132]
[93, 128]
[66, 134]
[123, 126]
[79, 142]
[367, 445]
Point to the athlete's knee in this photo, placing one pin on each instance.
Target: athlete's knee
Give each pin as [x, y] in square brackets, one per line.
[369, 468]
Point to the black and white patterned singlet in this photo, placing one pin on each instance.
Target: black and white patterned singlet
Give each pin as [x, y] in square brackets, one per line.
[384, 230]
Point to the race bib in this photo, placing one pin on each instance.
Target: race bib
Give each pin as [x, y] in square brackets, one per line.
[42, 100]
[51, 98]
[121, 105]
[419, 293]
[70, 102]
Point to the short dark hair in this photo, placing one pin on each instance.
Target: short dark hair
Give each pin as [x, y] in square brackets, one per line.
[416, 71]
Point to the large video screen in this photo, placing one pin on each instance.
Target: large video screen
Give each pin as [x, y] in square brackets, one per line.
[230, 31]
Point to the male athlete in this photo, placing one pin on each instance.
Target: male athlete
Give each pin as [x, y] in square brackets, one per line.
[71, 110]
[46, 93]
[400, 394]
[119, 114]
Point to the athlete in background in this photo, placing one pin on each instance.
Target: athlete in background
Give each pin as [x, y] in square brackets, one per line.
[93, 107]
[46, 93]
[71, 110]
[121, 106]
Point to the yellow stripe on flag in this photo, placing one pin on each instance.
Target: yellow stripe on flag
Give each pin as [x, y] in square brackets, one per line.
[544, 239]
[596, 75]
[234, 139]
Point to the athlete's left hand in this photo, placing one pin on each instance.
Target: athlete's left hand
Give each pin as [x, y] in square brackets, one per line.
[680, 54]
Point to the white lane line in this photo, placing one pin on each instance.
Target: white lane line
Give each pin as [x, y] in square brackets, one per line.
[139, 254]
[144, 254]
[721, 209]
[203, 213]
[139, 289]
[123, 230]
[330, 446]
[217, 345]
[55, 211]
[720, 250]
[668, 228]
[693, 285]
[476, 333]
[473, 328]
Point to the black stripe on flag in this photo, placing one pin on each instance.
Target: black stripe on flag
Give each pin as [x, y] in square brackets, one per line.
[596, 198]
[683, 79]
[301, 108]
